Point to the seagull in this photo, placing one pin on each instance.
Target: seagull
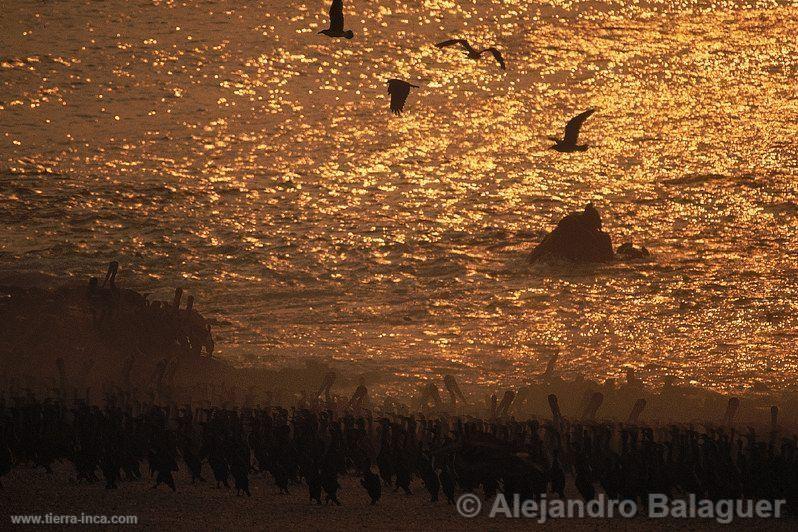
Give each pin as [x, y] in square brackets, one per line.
[472, 53]
[399, 90]
[568, 143]
[336, 28]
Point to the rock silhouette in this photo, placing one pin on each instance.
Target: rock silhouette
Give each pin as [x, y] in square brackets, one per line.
[578, 237]
[629, 251]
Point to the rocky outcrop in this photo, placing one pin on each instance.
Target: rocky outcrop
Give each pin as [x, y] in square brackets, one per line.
[116, 335]
[87, 341]
[578, 237]
[629, 251]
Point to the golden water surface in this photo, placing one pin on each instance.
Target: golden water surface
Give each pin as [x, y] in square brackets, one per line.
[228, 148]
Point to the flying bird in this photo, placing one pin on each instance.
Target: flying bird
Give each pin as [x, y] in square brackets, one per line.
[473, 53]
[336, 28]
[399, 90]
[568, 143]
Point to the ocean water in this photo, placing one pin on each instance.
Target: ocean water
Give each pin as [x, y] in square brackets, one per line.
[227, 148]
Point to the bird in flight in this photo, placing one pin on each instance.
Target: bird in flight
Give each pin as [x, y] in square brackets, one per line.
[568, 143]
[399, 90]
[336, 28]
[473, 53]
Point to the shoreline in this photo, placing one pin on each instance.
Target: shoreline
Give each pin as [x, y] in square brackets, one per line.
[57, 346]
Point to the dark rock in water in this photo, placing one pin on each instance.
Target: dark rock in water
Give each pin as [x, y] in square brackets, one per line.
[578, 237]
[628, 251]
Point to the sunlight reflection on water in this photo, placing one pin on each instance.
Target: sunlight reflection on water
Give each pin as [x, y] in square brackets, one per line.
[230, 149]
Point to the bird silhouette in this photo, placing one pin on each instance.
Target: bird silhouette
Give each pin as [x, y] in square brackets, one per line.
[330, 485]
[373, 486]
[447, 483]
[568, 142]
[557, 476]
[336, 28]
[280, 477]
[399, 90]
[583, 481]
[472, 52]
[313, 480]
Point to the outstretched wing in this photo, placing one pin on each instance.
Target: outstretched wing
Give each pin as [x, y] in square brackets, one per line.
[399, 91]
[497, 55]
[574, 125]
[337, 15]
[452, 42]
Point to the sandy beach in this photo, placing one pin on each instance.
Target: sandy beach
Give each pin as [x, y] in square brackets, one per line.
[202, 506]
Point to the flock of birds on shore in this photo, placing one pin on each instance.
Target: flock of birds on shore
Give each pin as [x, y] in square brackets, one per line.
[321, 438]
[400, 89]
[309, 447]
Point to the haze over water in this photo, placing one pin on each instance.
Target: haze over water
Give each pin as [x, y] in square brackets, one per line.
[227, 148]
